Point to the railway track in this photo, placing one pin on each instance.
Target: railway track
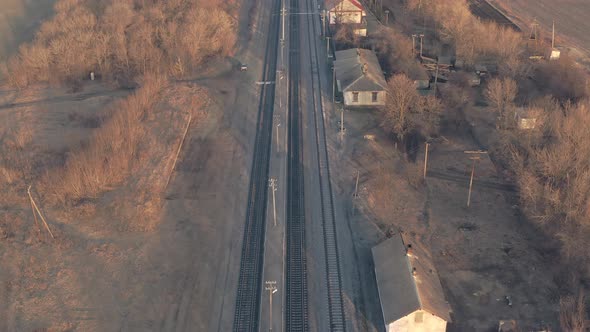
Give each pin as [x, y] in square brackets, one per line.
[247, 307]
[296, 314]
[332, 261]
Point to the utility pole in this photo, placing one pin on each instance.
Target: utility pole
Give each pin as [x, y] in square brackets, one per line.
[323, 17]
[356, 186]
[426, 159]
[342, 120]
[475, 156]
[271, 287]
[283, 14]
[328, 46]
[414, 44]
[277, 118]
[333, 83]
[273, 188]
[436, 78]
[421, 38]
[553, 36]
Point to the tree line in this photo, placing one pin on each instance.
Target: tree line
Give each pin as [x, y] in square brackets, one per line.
[123, 39]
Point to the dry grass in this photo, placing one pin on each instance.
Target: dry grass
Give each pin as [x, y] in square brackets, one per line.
[106, 159]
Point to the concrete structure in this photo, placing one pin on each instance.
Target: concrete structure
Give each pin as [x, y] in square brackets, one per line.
[419, 75]
[526, 119]
[349, 12]
[410, 292]
[359, 78]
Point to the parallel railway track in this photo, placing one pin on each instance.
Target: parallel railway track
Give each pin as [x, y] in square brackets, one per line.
[296, 311]
[332, 261]
[247, 307]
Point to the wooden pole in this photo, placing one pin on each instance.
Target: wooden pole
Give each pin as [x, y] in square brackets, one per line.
[356, 186]
[471, 182]
[190, 118]
[39, 212]
[426, 159]
[436, 78]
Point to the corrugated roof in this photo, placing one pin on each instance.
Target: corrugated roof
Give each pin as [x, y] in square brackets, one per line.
[400, 291]
[349, 70]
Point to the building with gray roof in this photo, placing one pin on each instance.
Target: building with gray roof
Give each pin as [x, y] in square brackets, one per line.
[410, 291]
[359, 78]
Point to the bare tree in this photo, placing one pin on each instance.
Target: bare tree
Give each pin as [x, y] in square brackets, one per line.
[501, 93]
[402, 98]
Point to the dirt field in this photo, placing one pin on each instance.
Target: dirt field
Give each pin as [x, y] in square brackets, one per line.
[138, 258]
[571, 20]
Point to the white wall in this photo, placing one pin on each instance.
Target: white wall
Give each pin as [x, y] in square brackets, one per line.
[430, 323]
[365, 99]
[346, 12]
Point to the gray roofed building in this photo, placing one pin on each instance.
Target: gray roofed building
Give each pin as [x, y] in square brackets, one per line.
[410, 292]
[359, 78]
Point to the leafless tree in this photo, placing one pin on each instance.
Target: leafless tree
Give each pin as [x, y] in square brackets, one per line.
[402, 99]
[501, 93]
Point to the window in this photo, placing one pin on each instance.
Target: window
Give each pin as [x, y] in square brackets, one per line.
[374, 97]
[355, 97]
[419, 317]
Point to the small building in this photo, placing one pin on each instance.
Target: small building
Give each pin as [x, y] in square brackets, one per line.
[359, 78]
[349, 12]
[474, 80]
[419, 75]
[555, 53]
[481, 70]
[526, 119]
[410, 292]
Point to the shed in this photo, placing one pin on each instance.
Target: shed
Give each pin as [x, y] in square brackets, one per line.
[410, 292]
[526, 119]
[419, 75]
[359, 78]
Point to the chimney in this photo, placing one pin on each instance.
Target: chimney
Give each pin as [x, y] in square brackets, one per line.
[414, 271]
[364, 68]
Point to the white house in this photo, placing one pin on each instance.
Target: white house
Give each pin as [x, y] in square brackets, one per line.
[359, 78]
[410, 292]
[350, 12]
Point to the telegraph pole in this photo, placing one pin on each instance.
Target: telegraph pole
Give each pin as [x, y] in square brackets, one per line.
[333, 83]
[271, 287]
[283, 14]
[436, 78]
[475, 156]
[328, 46]
[273, 187]
[421, 38]
[426, 159]
[356, 186]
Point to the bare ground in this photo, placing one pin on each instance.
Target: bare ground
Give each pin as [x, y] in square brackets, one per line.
[483, 253]
[140, 257]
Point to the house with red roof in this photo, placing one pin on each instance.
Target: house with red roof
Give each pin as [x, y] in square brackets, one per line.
[349, 12]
